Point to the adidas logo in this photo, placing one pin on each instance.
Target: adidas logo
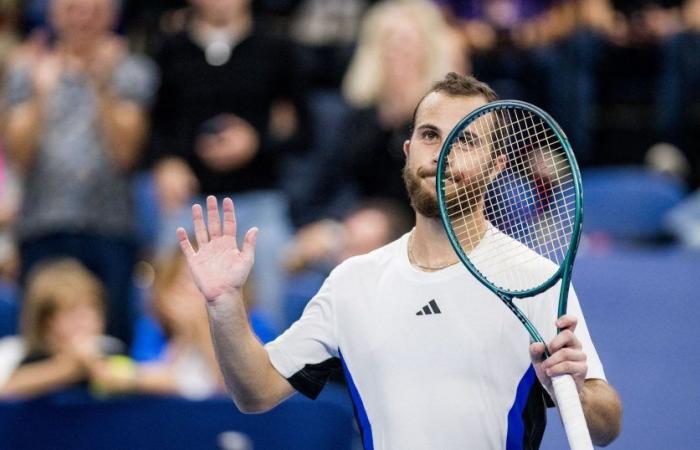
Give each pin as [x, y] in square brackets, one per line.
[430, 308]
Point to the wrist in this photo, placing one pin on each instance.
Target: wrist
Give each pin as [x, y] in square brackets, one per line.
[228, 295]
[227, 305]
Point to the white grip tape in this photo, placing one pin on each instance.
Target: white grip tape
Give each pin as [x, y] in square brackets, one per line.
[571, 413]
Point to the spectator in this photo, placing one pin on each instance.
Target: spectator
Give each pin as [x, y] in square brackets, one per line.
[320, 246]
[228, 112]
[62, 332]
[9, 202]
[678, 89]
[175, 350]
[326, 31]
[402, 48]
[75, 123]
[9, 33]
[9, 187]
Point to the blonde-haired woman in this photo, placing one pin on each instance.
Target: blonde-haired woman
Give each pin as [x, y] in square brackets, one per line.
[175, 354]
[186, 365]
[62, 323]
[403, 47]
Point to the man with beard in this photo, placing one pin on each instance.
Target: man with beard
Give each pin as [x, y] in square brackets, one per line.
[431, 359]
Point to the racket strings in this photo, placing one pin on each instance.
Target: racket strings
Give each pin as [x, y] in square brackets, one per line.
[495, 214]
[530, 202]
[522, 228]
[521, 167]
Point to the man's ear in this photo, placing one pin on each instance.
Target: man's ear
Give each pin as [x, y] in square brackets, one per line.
[406, 147]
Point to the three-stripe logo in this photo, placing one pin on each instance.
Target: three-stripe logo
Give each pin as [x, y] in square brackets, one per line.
[430, 308]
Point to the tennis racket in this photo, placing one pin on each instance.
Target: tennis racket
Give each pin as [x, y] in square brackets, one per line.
[510, 200]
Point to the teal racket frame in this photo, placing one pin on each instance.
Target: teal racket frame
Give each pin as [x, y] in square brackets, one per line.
[565, 268]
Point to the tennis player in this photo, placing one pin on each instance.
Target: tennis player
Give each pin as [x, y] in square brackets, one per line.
[432, 359]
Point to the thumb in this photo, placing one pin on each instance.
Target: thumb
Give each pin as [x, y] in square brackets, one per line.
[249, 243]
[537, 352]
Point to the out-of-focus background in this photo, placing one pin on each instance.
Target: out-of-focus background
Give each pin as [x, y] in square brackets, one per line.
[117, 115]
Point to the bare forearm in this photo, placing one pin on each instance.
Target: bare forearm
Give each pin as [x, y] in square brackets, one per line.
[41, 378]
[23, 129]
[249, 376]
[603, 410]
[124, 126]
[155, 380]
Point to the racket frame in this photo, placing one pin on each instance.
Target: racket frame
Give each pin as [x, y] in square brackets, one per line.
[565, 268]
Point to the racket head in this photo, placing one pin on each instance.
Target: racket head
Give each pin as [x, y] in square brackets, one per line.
[513, 161]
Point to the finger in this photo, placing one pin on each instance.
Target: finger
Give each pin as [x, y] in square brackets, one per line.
[578, 369]
[214, 225]
[200, 230]
[185, 244]
[565, 354]
[229, 218]
[536, 352]
[564, 339]
[249, 243]
[567, 322]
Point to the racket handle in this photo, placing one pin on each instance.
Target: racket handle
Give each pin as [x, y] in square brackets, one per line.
[571, 413]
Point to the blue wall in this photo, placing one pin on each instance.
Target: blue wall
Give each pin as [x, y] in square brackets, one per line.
[642, 310]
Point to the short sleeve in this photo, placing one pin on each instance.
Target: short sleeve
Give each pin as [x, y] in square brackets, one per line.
[306, 354]
[18, 87]
[136, 79]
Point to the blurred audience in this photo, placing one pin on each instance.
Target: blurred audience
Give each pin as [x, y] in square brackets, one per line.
[402, 48]
[326, 32]
[228, 112]
[177, 347]
[9, 258]
[75, 121]
[9, 31]
[173, 343]
[307, 101]
[63, 342]
[678, 88]
[10, 198]
[320, 246]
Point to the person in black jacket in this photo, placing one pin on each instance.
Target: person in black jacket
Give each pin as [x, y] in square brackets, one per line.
[227, 113]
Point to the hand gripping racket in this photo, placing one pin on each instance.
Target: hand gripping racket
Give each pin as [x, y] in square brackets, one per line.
[510, 199]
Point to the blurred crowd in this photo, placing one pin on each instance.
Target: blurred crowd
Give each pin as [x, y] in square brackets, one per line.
[118, 115]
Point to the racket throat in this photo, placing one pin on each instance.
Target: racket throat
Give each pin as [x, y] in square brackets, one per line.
[532, 331]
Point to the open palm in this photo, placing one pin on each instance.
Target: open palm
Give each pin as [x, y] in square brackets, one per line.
[218, 266]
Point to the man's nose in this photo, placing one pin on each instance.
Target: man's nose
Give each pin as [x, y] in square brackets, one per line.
[436, 154]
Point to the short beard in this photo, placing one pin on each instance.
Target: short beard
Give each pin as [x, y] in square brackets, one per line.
[423, 201]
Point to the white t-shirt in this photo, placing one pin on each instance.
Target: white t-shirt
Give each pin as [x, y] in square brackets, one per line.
[433, 360]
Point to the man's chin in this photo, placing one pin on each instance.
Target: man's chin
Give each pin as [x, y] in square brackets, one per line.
[421, 190]
[426, 205]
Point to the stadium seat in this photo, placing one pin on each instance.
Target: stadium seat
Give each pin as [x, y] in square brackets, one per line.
[145, 423]
[628, 203]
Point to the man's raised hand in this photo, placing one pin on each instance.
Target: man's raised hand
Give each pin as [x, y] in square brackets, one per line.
[218, 266]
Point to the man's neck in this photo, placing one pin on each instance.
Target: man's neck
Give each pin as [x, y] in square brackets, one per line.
[430, 248]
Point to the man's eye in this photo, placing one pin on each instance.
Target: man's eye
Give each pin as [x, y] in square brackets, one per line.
[429, 135]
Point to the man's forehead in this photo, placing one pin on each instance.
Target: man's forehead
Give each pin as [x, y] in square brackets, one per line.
[444, 110]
